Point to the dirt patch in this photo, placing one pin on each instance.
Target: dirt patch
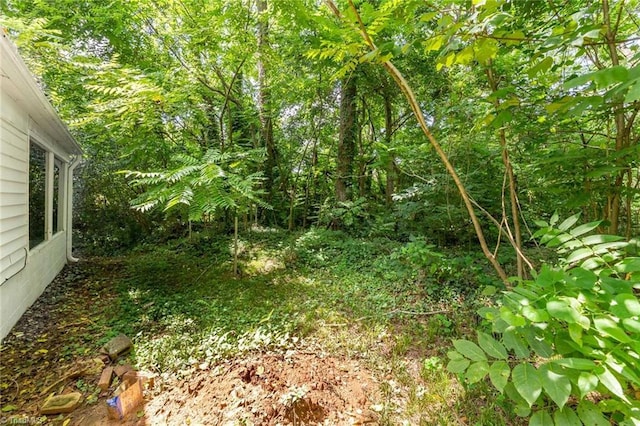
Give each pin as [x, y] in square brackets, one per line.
[263, 389]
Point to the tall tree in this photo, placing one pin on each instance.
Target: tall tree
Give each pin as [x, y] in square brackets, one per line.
[346, 139]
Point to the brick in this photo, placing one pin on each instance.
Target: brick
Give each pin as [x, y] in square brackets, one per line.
[61, 403]
[105, 378]
[121, 370]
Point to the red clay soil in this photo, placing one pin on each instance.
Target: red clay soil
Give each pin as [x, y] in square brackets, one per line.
[294, 388]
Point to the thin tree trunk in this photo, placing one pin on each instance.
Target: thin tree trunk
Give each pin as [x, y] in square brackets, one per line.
[513, 195]
[264, 99]
[235, 245]
[415, 106]
[388, 131]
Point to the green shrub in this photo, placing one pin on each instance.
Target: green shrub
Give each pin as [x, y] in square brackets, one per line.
[565, 347]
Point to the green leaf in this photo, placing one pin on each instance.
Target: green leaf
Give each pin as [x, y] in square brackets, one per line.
[631, 325]
[491, 346]
[526, 380]
[457, 366]
[625, 306]
[608, 327]
[470, 350]
[515, 342]
[511, 318]
[566, 417]
[561, 309]
[612, 383]
[454, 355]
[477, 371]
[537, 343]
[540, 67]
[499, 374]
[634, 92]
[591, 415]
[580, 254]
[569, 222]
[8, 408]
[557, 386]
[587, 382]
[575, 363]
[583, 229]
[541, 418]
[534, 315]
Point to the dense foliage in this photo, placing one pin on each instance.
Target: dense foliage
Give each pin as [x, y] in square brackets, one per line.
[431, 124]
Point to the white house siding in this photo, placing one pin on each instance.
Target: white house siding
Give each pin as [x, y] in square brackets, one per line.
[26, 115]
[16, 295]
[14, 189]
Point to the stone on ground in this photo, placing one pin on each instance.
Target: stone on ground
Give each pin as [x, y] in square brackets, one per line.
[61, 403]
[117, 346]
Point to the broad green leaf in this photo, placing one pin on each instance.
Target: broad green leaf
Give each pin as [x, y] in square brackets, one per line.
[580, 254]
[499, 374]
[537, 343]
[634, 92]
[614, 285]
[566, 417]
[569, 222]
[608, 327]
[511, 318]
[457, 366]
[534, 315]
[557, 386]
[612, 383]
[631, 325]
[583, 229]
[591, 415]
[561, 309]
[540, 67]
[620, 361]
[575, 363]
[454, 355]
[631, 264]
[477, 371]
[541, 418]
[575, 332]
[470, 350]
[515, 342]
[491, 346]
[526, 380]
[599, 239]
[583, 278]
[587, 382]
[625, 306]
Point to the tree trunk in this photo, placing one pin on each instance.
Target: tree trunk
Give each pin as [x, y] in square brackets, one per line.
[513, 195]
[346, 140]
[388, 130]
[264, 99]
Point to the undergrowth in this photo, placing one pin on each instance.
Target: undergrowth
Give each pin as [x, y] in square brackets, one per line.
[396, 306]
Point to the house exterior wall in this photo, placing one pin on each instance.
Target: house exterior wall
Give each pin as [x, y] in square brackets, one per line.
[25, 115]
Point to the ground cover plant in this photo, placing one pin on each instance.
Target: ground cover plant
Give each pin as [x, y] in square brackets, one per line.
[319, 293]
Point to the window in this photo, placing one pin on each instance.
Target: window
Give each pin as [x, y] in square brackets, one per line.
[37, 194]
